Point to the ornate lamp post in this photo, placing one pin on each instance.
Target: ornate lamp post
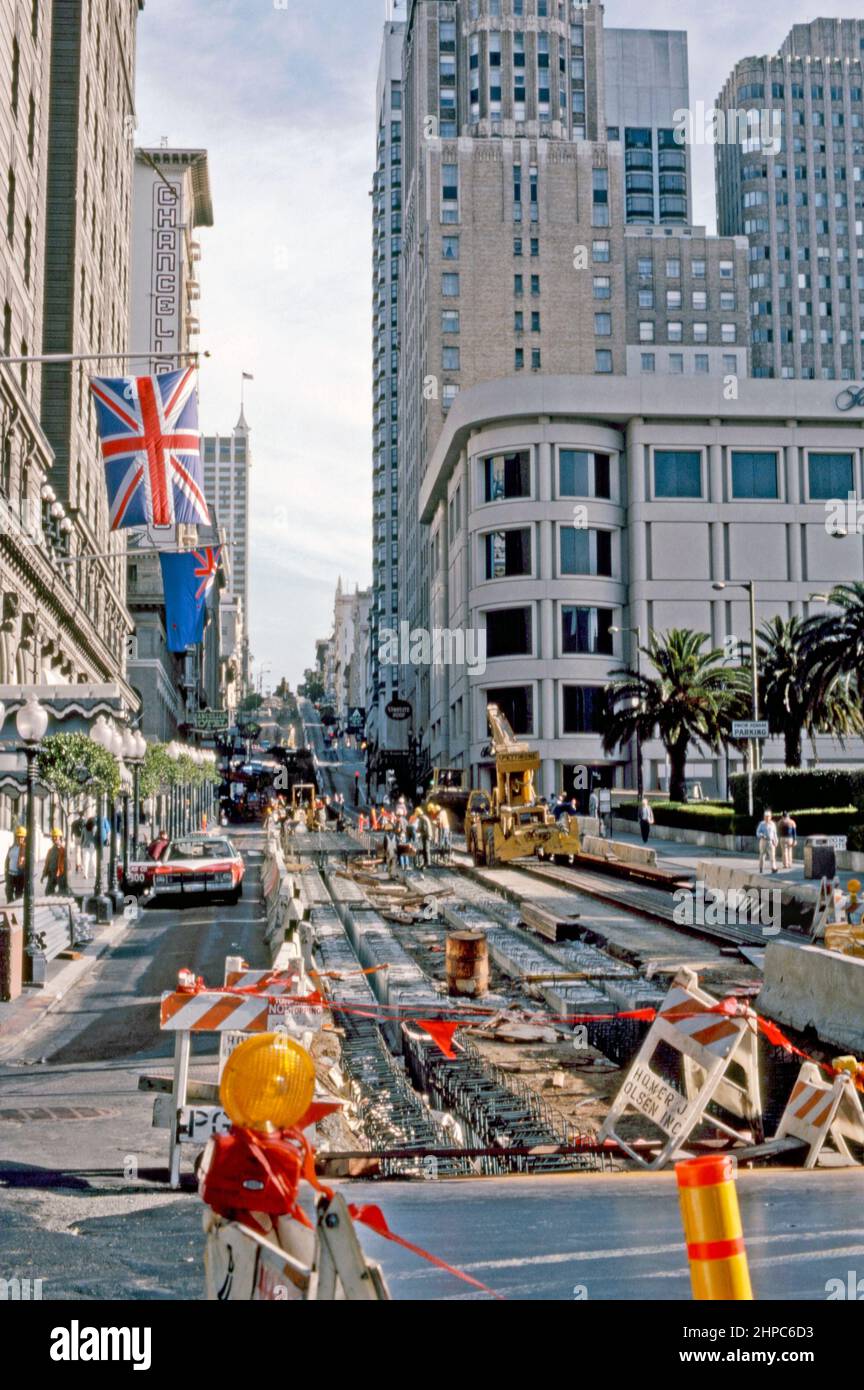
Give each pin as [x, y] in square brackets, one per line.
[134, 751]
[103, 735]
[31, 721]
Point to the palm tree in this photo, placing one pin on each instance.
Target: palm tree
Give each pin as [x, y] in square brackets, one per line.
[833, 642]
[693, 697]
[793, 702]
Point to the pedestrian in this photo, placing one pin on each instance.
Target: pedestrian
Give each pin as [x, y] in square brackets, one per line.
[54, 868]
[594, 805]
[788, 832]
[16, 865]
[424, 828]
[390, 851]
[159, 845]
[76, 830]
[444, 834]
[766, 839]
[321, 816]
[88, 847]
[646, 819]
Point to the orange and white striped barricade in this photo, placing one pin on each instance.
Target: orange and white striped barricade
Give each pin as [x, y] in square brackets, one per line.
[217, 1011]
[292, 1263]
[821, 1110]
[709, 1042]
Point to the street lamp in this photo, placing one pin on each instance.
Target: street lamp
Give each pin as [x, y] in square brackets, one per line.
[750, 587]
[134, 752]
[640, 780]
[103, 735]
[31, 721]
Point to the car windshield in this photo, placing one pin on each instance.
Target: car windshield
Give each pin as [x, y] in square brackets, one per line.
[200, 849]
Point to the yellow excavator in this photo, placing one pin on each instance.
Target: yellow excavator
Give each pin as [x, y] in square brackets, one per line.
[509, 822]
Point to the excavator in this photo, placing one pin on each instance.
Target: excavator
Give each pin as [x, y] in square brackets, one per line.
[510, 823]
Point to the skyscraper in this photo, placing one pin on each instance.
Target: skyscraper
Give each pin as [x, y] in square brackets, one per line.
[792, 184]
[227, 467]
[387, 243]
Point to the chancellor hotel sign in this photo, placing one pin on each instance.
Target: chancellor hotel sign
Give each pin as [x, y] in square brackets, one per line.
[166, 290]
[851, 399]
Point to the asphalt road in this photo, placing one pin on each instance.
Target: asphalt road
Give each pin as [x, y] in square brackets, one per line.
[83, 1209]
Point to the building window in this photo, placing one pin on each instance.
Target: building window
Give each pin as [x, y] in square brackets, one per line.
[586, 551]
[675, 332]
[754, 475]
[648, 362]
[700, 332]
[506, 476]
[450, 285]
[703, 366]
[673, 299]
[450, 248]
[450, 359]
[519, 359]
[726, 269]
[508, 632]
[516, 703]
[535, 359]
[646, 330]
[700, 300]
[602, 287]
[450, 321]
[830, 476]
[583, 474]
[677, 473]
[697, 270]
[728, 333]
[602, 251]
[646, 299]
[586, 631]
[730, 364]
[519, 321]
[449, 392]
[603, 361]
[673, 270]
[508, 553]
[584, 707]
[645, 267]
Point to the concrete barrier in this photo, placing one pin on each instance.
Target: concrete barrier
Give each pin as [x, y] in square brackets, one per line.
[797, 900]
[620, 850]
[808, 987]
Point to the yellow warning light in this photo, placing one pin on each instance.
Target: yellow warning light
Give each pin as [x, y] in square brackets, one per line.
[268, 1082]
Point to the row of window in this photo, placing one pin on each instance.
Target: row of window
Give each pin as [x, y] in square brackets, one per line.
[675, 331]
[584, 631]
[674, 363]
[582, 707]
[754, 474]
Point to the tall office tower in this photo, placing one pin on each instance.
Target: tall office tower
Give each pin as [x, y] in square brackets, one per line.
[86, 287]
[171, 201]
[387, 240]
[646, 83]
[799, 198]
[227, 466]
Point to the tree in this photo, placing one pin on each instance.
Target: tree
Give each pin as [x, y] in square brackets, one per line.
[793, 702]
[833, 642]
[251, 702]
[693, 696]
[71, 763]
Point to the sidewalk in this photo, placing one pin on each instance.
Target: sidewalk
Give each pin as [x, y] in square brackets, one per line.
[18, 1016]
[671, 854]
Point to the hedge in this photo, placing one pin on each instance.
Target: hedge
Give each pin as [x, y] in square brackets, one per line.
[719, 818]
[802, 787]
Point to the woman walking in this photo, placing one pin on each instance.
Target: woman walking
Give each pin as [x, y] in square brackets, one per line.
[646, 819]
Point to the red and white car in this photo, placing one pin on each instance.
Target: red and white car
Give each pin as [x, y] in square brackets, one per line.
[199, 866]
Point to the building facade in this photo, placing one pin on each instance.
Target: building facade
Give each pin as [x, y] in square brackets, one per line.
[623, 503]
[171, 202]
[85, 309]
[791, 183]
[227, 462]
[533, 247]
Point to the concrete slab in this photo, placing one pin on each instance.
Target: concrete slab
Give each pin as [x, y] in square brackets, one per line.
[809, 987]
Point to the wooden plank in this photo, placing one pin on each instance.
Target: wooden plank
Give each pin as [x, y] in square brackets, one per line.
[207, 1092]
[551, 927]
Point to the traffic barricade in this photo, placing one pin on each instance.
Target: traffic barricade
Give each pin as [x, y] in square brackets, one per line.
[820, 1112]
[710, 1041]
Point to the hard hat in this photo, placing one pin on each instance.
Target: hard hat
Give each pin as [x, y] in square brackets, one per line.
[854, 885]
[56, 833]
[20, 833]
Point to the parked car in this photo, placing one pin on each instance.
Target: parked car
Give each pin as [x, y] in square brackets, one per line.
[199, 866]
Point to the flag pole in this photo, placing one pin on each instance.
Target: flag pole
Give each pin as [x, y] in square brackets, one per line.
[63, 358]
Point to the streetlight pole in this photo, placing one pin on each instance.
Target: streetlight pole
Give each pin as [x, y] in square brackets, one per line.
[754, 760]
[640, 776]
[31, 723]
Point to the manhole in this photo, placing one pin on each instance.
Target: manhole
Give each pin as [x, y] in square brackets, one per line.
[55, 1112]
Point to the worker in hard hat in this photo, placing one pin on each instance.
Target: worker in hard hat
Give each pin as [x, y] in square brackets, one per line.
[16, 865]
[54, 868]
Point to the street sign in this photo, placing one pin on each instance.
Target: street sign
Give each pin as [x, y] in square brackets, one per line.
[287, 1016]
[837, 842]
[398, 710]
[207, 719]
[750, 728]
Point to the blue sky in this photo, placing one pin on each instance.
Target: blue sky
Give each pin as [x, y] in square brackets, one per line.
[283, 99]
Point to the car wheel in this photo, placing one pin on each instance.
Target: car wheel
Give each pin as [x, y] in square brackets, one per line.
[235, 896]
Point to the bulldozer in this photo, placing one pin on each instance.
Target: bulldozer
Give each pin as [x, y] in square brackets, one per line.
[448, 789]
[303, 795]
[509, 822]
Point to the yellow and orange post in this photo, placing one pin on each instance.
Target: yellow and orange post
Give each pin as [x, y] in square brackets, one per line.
[712, 1228]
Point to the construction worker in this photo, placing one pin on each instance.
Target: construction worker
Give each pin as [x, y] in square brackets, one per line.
[16, 865]
[54, 868]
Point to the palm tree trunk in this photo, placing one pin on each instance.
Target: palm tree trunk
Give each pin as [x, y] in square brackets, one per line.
[792, 740]
[677, 769]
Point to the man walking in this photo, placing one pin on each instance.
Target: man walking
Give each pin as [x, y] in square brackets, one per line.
[16, 865]
[788, 839]
[646, 819]
[766, 839]
[54, 868]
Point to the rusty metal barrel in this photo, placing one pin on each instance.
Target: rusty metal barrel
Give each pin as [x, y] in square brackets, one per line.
[467, 961]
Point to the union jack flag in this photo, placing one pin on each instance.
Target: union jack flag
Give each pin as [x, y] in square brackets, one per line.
[151, 445]
[206, 568]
